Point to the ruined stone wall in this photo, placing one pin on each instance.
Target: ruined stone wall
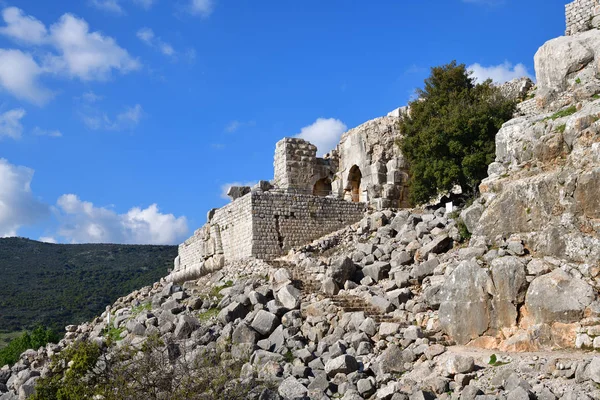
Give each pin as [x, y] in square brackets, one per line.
[295, 161]
[228, 233]
[373, 148]
[579, 15]
[283, 221]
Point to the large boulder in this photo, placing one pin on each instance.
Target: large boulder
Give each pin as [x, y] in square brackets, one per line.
[510, 285]
[341, 270]
[557, 297]
[465, 310]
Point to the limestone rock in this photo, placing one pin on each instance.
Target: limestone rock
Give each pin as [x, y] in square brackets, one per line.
[557, 297]
[465, 307]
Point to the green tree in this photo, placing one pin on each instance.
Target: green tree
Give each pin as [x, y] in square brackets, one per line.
[449, 135]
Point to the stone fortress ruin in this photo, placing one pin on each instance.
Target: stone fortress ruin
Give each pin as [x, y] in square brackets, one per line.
[582, 15]
[308, 198]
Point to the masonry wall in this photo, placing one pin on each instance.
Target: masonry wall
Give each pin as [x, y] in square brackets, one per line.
[228, 233]
[283, 221]
[579, 14]
[295, 161]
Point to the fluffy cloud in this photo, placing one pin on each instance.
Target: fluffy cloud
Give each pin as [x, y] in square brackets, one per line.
[111, 6]
[202, 8]
[499, 73]
[147, 36]
[76, 53]
[18, 206]
[48, 239]
[323, 133]
[82, 222]
[22, 27]
[19, 75]
[10, 123]
[128, 119]
[87, 55]
[225, 187]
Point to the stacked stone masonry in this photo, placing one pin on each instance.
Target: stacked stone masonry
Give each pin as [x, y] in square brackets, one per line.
[262, 225]
[579, 15]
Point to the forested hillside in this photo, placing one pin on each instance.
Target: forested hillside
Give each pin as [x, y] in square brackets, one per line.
[57, 284]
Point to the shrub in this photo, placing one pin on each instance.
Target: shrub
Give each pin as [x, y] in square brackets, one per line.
[154, 370]
[39, 337]
[449, 135]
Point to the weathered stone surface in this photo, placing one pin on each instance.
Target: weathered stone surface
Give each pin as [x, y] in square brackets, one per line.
[264, 322]
[343, 364]
[439, 244]
[510, 284]
[232, 312]
[341, 270]
[377, 271]
[464, 311]
[471, 215]
[289, 297]
[292, 389]
[557, 297]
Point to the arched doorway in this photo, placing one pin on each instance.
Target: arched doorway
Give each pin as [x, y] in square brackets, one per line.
[322, 187]
[354, 178]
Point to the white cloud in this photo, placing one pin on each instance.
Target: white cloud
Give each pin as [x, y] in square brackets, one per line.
[10, 123]
[87, 55]
[226, 186]
[128, 119]
[68, 48]
[19, 74]
[147, 4]
[499, 73]
[147, 36]
[82, 222]
[111, 6]
[18, 206]
[202, 8]
[23, 27]
[47, 239]
[323, 133]
[42, 132]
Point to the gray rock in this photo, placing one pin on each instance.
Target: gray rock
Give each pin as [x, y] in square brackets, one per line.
[518, 394]
[365, 387]
[264, 322]
[185, 327]
[232, 312]
[329, 286]
[136, 328]
[465, 302]
[470, 216]
[558, 297]
[438, 245]
[343, 364]
[424, 269]
[458, 364]
[292, 389]
[289, 297]
[341, 270]
[510, 285]
[593, 370]
[377, 271]
[244, 334]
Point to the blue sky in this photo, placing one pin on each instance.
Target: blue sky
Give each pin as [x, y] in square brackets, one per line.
[123, 120]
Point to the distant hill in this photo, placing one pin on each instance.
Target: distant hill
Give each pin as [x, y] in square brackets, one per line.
[60, 284]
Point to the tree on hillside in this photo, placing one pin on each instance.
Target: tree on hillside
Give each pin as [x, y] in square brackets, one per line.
[449, 136]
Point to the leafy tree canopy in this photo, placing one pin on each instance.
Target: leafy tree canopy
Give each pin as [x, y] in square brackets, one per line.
[449, 135]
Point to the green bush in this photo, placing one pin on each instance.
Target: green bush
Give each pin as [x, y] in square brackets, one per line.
[449, 135]
[155, 370]
[39, 337]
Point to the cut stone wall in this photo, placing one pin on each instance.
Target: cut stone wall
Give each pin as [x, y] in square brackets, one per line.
[261, 224]
[294, 164]
[284, 221]
[579, 15]
[227, 235]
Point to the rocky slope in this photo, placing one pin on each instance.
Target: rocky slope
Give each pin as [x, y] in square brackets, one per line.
[363, 313]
